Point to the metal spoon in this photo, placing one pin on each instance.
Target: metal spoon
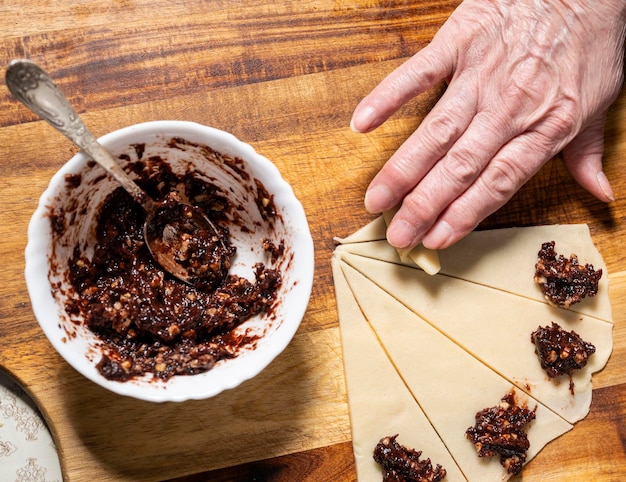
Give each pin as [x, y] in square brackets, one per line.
[35, 88]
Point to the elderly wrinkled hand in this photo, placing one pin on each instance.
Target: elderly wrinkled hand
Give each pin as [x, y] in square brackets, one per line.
[526, 80]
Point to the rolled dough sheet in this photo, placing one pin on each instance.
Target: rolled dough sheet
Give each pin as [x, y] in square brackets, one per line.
[448, 383]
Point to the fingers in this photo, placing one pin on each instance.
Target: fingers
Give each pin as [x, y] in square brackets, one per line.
[418, 74]
[493, 186]
[438, 132]
[500, 179]
[453, 174]
[583, 158]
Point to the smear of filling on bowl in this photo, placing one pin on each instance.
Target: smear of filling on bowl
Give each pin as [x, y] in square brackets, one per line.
[150, 322]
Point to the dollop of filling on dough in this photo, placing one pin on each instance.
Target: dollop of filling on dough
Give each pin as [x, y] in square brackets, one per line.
[501, 430]
[560, 352]
[564, 281]
[402, 464]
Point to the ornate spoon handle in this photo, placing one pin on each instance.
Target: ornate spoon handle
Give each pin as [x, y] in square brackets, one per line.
[30, 84]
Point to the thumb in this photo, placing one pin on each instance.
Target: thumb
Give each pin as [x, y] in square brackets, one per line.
[583, 159]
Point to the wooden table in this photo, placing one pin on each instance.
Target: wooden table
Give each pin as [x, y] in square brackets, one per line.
[285, 77]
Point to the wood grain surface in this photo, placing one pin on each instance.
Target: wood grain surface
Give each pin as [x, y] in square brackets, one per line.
[284, 77]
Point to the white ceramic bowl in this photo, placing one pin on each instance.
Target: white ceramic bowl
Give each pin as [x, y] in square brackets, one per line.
[47, 262]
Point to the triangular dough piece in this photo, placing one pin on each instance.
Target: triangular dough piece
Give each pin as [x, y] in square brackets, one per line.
[505, 259]
[379, 249]
[374, 230]
[496, 326]
[449, 384]
[380, 403]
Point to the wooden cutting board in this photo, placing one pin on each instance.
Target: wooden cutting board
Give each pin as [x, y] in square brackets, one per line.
[285, 77]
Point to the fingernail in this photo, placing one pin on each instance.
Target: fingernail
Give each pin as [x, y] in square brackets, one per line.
[401, 234]
[438, 236]
[365, 118]
[605, 186]
[379, 199]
